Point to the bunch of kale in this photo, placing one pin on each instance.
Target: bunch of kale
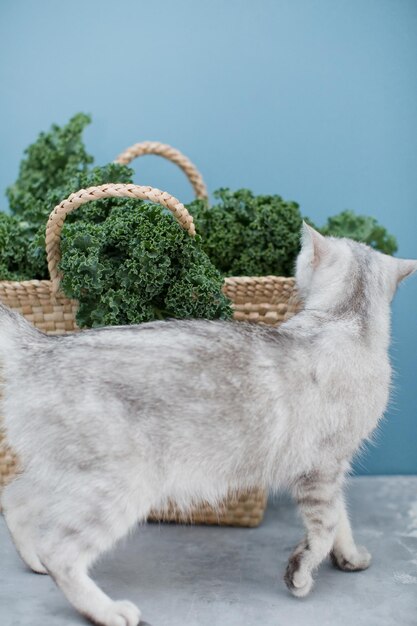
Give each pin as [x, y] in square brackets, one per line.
[53, 160]
[126, 261]
[250, 235]
[360, 228]
[244, 234]
[13, 248]
[129, 261]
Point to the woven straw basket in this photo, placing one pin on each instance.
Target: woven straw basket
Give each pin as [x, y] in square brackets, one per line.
[268, 300]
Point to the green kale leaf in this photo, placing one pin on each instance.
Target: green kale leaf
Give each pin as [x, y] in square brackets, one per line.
[360, 228]
[129, 261]
[92, 212]
[244, 234]
[51, 161]
[13, 248]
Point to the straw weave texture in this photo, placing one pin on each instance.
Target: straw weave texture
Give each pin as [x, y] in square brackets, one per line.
[170, 153]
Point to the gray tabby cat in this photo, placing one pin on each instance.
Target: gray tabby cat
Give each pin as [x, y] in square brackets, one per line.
[110, 423]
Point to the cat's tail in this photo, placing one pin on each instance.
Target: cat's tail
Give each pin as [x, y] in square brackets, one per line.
[15, 334]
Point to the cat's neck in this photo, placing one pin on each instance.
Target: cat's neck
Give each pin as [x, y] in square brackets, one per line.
[370, 326]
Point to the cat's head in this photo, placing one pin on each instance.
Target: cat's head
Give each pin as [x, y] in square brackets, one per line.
[332, 272]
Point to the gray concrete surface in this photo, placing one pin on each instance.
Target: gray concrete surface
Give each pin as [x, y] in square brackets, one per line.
[202, 576]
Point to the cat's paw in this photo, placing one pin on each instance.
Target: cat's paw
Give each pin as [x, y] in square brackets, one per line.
[355, 561]
[123, 613]
[297, 578]
[302, 583]
[33, 562]
[38, 569]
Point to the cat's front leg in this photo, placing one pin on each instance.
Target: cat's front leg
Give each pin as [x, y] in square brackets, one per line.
[318, 495]
[345, 554]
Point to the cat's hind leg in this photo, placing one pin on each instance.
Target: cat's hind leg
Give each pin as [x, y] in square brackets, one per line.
[76, 531]
[20, 509]
[318, 495]
[78, 522]
[345, 554]
[85, 595]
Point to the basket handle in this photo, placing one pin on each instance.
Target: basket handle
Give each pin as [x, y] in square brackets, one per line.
[58, 215]
[170, 153]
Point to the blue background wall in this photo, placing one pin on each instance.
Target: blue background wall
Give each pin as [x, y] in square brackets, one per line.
[315, 100]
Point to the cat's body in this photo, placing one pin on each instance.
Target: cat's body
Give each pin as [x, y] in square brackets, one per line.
[112, 423]
[230, 392]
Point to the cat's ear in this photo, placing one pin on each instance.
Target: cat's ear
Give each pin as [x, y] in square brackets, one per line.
[313, 242]
[405, 267]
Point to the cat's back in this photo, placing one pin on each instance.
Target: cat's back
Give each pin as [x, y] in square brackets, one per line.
[181, 340]
[204, 356]
[121, 384]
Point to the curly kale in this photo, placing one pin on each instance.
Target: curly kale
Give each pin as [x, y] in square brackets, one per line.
[91, 212]
[250, 235]
[13, 248]
[51, 162]
[128, 261]
[361, 228]
[244, 234]
[133, 263]
[125, 261]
